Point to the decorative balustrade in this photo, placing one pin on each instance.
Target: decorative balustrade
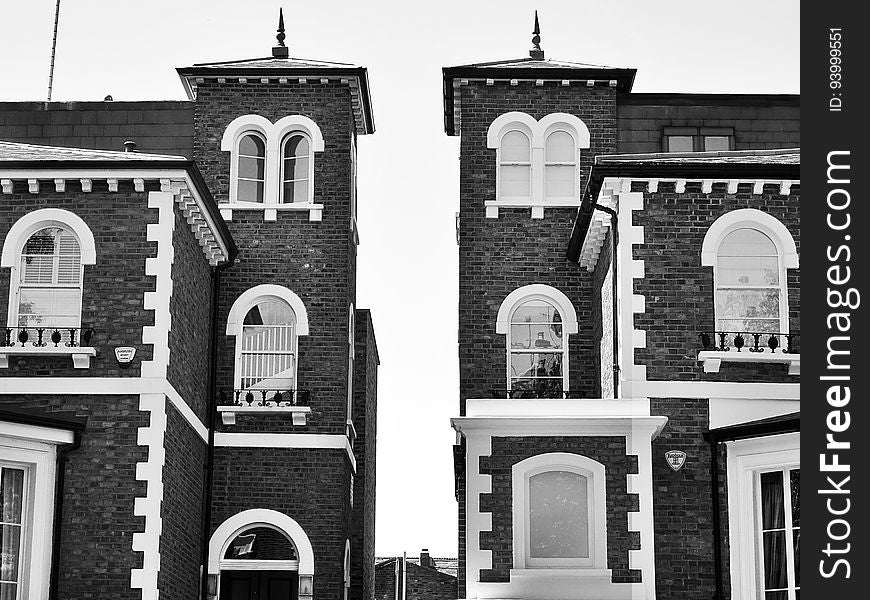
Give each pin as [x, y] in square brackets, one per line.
[750, 347]
[264, 401]
[42, 337]
[725, 341]
[529, 394]
[74, 342]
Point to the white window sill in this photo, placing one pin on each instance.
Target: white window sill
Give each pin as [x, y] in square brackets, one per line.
[81, 356]
[270, 211]
[712, 359]
[299, 413]
[561, 584]
[537, 206]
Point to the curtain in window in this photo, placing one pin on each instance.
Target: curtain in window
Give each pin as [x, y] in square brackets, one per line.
[49, 293]
[780, 534]
[560, 166]
[251, 173]
[11, 495]
[748, 286]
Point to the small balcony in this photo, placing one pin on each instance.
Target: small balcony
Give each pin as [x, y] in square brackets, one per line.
[750, 347]
[74, 342]
[295, 403]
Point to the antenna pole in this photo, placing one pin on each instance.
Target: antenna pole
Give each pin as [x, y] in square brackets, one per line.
[53, 48]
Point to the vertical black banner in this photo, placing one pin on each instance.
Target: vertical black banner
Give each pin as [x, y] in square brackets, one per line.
[835, 417]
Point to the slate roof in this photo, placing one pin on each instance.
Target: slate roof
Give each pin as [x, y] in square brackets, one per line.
[533, 63]
[447, 566]
[17, 152]
[789, 156]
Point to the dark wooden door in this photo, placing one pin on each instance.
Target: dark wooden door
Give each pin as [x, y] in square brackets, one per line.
[259, 585]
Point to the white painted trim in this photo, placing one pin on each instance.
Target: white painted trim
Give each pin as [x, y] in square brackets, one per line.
[532, 292]
[561, 426]
[241, 125]
[747, 458]
[594, 473]
[251, 296]
[38, 458]
[259, 517]
[753, 219]
[286, 125]
[33, 221]
[556, 407]
[508, 122]
[476, 483]
[712, 389]
[712, 359]
[38, 433]
[81, 356]
[567, 122]
[286, 440]
[298, 413]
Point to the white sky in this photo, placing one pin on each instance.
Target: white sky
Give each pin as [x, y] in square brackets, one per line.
[409, 176]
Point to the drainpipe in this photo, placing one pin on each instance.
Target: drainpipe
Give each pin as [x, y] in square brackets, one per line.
[60, 477]
[212, 413]
[714, 492]
[615, 288]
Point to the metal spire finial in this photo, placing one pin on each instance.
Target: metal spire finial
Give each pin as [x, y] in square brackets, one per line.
[280, 51]
[536, 52]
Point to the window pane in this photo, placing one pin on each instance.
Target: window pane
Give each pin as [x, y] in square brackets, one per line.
[295, 168]
[515, 181]
[252, 145]
[560, 148]
[37, 269]
[535, 335]
[515, 147]
[296, 145]
[531, 365]
[11, 490]
[536, 311]
[560, 181]
[42, 242]
[9, 552]
[747, 242]
[772, 507]
[680, 143]
[250, 191]
[261, 543]
[778, 595]
[747, 270]
[558, 515]
[795, 484]
[49, 307]
[270, 312]
[797, 556]
[7, 591]
[747, 304]
[51, 255]
[716, 142]
[775, 574]
[295, 191]
[252, 168]
[750, 326]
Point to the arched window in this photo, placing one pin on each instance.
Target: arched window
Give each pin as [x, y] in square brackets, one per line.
[560, 165]
[49, 290]
[750, 252]
[251, 168]
[536, 349]
[558, 512]
[296, 165]
[267, 356]
[267, 321]
[515, 165]
[536, 320]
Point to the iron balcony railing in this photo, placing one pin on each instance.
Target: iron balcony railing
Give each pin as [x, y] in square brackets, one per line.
[41, 337]
[529, 394]
[739, 341]
[258, 397]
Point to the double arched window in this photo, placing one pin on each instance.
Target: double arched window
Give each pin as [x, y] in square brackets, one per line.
[271, 164]
[536, 320]
[750, 252]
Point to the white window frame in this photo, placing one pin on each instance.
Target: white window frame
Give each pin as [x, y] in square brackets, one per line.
[249, 299]
[275, 134]
[575, 163]
[310, 175]
[538, 131]
[34, 449]
[550, 295]
[750, 218]
[594, 471]
[234, 166]
[527, 133]
[747, 459]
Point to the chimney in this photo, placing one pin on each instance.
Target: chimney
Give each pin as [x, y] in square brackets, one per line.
[425, 559]
[129, 146]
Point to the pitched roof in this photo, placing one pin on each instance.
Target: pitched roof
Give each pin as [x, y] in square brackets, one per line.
[789, 156]
[526, 69]
[271, 62]
[446, 566]
[17, 152]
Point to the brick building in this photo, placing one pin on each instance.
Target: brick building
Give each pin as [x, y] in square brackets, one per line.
[415, 578]
[628, 336]
[187, 388]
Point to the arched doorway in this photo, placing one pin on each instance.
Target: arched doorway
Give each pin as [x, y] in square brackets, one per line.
[260, 555]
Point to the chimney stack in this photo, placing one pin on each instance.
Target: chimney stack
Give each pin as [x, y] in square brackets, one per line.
[425, 559]
[129, 146]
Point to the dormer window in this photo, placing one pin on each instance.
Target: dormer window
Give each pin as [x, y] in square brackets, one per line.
[537, 162]
[297, 167]
[251, 168]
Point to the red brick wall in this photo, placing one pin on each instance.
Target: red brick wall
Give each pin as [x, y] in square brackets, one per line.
[496, 256]
[365, 393]
[96, 533]
[679, 291]
[113, 288]
[309, 485]
[608, 450]
[190, 307]
[183, 489]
